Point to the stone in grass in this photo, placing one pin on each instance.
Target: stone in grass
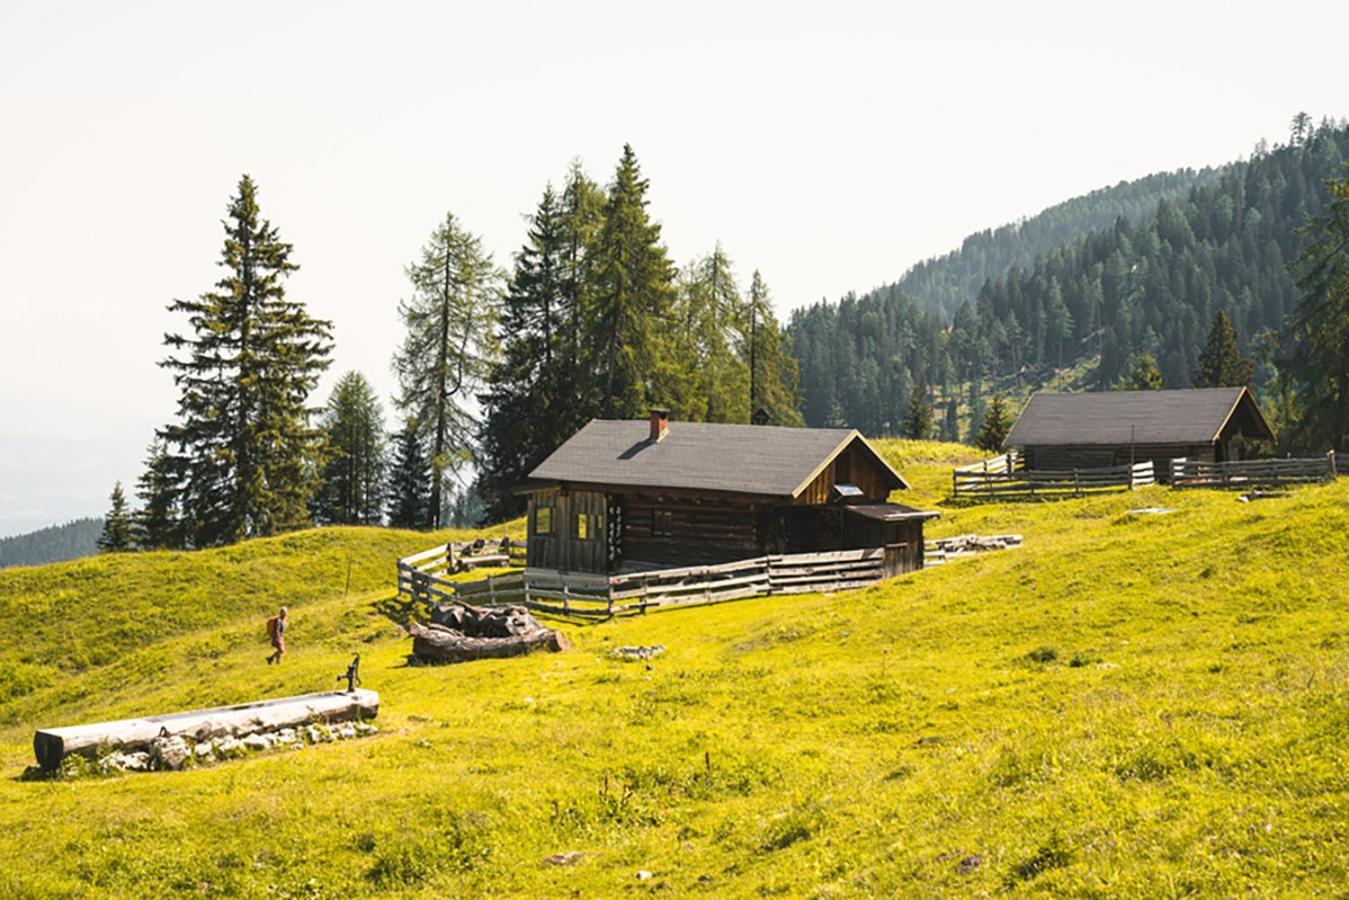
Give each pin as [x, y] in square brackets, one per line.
[257, 741]
[569, 858]
[228, 745]
[638, 654]
[170, 752]
[643, 875]
[366, 728]
[126, 762]
[346, 731]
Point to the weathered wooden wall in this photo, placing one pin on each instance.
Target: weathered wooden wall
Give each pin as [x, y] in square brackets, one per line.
[704, 528]
[1061, 458]
[564, 549]
[861, 470]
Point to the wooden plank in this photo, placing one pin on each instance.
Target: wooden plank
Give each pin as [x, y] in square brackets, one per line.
[424, 555]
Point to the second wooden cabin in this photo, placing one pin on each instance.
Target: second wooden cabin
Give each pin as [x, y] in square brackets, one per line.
[628, 495]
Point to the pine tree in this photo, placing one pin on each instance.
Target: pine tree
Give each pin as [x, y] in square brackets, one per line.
[1221, 363]
[158, 525]
[996, 425]
[409, 487]
[116, 536]
[449, 346]
[697, 371]
[918, 422]
[352, 492]
[634, 292]
[1319, 328]
[1143, 376]
[248, 452]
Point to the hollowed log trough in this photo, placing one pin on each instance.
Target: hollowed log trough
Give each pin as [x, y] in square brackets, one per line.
[51, 745]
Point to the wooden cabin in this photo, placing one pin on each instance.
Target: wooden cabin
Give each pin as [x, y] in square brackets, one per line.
[1112, 428]
[628, 495]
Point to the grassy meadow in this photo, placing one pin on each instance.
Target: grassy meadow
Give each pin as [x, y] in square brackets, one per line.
[1127, 705]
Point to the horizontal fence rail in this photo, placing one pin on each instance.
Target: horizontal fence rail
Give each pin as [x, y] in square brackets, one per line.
[1249, 472]
[942, 550]
[1005, 477]
[422, 578]
[422, 575]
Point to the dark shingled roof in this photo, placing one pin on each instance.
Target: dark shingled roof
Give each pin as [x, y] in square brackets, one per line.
[1193, 416]
[744, 459]
[890, 512]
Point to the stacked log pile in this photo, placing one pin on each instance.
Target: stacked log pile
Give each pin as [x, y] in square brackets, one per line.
[459, 632]
[943, 549]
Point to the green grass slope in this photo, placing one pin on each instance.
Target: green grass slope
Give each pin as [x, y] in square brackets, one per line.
[1126, 705]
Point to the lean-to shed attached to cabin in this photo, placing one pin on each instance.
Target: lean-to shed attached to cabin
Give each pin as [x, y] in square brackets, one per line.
[627, 495]
[1111, 428]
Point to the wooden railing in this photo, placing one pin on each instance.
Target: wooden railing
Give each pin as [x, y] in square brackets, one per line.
[1005, 477]
[422, 575]
[584, 594]
[1252, 472]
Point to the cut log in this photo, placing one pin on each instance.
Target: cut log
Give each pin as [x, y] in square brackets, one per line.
[51, 745]
[459, 632]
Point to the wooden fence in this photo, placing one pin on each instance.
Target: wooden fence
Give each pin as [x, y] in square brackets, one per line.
[427, 569]
[584, 594]
[1252, 472]
[1005, 477]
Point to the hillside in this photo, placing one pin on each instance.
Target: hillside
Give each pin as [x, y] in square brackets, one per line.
[1090, 305]
[1126, 705]
[54, 544]
[945, 283]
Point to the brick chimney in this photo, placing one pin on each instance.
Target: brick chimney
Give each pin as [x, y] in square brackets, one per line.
[660, 424]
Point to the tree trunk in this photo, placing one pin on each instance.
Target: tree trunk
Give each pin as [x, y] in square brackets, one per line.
[459, 632]
[51, 745]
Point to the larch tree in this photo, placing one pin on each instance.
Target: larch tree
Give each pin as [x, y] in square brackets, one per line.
[995, 426]
[634, 290]
[773, 371]
[450, 319]
[409, 487]
[116, 536]
[580, 222]
[1144, 375]
[699, 373]
[352, 492]
[158, 524]
[1221, 363]
[1319, 328]
[245, 443]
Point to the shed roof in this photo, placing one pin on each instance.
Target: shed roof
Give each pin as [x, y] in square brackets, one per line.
[743, 459]
[890, 512]
[1190, 416]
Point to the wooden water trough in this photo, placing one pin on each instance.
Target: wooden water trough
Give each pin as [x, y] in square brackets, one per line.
[51, 745]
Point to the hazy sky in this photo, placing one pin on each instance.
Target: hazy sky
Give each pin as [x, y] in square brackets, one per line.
[830, 145]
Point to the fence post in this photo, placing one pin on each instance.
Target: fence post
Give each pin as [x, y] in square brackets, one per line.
[1077, 484]
[1333, 473]
[566, 596]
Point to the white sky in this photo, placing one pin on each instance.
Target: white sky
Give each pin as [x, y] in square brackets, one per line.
[830, 145]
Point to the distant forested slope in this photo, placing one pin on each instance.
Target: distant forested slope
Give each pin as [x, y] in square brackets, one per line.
[1094, 303]
[54, 544]
[944, 283]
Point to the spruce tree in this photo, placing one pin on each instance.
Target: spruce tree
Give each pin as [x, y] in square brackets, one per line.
[918, 422]
[409, 488]
[996, 424]
[352, 492]
[1221, 363]
[448, 347]
[1319, 329]
[116, 536]
[580, 222]
[529, 405]
[633, 293]
[158, 524]
[248, 451]
[1143, 376]
[696, 369]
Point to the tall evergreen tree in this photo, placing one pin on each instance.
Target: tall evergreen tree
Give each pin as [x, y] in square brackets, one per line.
[116, 536]
[1143, 376]
[158, 524]
[773, 368]
[409, 488]
[918, 422]
[996, 425]
[248, 451]
[1319, 328]
[1221, 363]
[580, 221]
[697, 370]
[633, 293]
[447, 352]
[530, 403]
[352, 492]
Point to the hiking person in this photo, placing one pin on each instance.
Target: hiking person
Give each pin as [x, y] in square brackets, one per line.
[276, 630]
